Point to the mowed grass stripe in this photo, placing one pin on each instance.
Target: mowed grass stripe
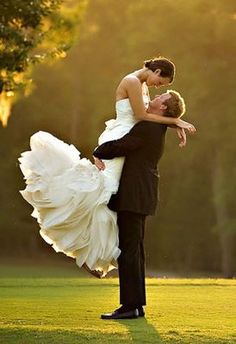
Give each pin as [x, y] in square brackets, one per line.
[67, 310]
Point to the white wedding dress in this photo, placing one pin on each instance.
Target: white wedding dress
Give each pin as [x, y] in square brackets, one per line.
[70, 195]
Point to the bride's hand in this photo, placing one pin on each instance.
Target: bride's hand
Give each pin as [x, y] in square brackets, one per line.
[99, 164]
[185, 125]
[182, 136]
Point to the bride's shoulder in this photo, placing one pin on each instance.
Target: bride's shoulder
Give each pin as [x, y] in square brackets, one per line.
[131, 80]
[130, 83]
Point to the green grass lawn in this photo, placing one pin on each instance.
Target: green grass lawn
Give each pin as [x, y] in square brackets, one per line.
[53, 305]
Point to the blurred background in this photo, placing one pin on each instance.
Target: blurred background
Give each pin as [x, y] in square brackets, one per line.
[194, 232]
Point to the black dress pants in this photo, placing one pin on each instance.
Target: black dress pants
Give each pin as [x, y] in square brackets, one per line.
[131, 261]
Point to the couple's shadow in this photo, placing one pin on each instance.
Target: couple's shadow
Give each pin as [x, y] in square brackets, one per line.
[141, 331]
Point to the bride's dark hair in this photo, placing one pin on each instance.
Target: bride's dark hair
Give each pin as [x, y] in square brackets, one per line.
[165, 65]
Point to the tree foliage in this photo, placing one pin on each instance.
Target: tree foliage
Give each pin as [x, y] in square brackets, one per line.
[31, 32]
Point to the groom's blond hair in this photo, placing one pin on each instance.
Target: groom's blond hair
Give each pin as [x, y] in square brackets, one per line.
[175, 105]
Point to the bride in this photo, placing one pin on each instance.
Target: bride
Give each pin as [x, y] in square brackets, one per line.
[69, 194]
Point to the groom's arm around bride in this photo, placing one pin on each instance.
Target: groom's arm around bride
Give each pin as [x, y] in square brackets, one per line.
[143, 146]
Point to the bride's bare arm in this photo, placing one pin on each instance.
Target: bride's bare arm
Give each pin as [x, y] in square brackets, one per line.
[134, 91]
[182, 137]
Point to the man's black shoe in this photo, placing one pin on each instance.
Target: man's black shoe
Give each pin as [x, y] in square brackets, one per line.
[121, 313]
[141, 312]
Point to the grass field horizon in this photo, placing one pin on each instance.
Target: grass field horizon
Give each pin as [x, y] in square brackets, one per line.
[49, 304]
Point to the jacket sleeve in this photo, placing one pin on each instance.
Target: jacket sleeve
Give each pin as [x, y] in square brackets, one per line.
[123, 146]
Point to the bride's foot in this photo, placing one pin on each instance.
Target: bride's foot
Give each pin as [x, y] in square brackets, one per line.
[95, 273]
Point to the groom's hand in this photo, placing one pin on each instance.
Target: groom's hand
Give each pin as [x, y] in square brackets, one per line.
[99, 164]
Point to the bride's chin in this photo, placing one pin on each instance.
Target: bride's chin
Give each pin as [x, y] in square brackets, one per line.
[150, 84]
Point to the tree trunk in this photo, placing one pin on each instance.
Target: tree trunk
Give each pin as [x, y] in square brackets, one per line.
[227, 246]
[226, 237]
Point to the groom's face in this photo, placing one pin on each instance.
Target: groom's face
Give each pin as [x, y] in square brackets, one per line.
[157, 104]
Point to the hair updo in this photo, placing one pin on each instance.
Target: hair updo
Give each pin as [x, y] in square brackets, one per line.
[166, 67]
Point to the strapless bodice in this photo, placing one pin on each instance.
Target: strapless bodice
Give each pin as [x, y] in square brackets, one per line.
[124, 111]
[124, 121]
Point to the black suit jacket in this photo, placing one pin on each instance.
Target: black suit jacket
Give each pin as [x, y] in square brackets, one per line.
[142, 147]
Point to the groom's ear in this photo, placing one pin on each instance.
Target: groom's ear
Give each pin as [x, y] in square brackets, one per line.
[163, 107]
[157, 71]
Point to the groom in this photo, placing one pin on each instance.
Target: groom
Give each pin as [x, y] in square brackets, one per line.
[137, 197]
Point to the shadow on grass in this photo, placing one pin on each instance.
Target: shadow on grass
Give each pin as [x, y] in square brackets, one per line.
[141, 331]
[47, 336]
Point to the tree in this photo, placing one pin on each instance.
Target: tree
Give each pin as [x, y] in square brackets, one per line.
[32, 32]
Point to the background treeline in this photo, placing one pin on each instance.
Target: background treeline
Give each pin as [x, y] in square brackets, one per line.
[195, 229]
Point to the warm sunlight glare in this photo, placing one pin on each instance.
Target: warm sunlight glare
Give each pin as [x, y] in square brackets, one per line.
[5, 106]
